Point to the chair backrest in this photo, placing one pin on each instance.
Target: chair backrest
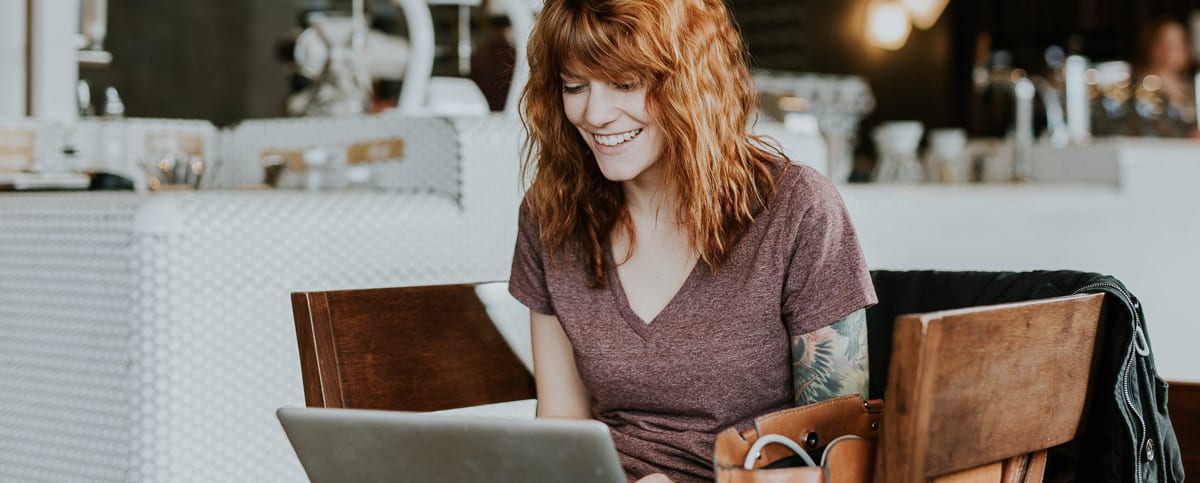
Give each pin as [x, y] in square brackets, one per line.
[978, 394]
[407, 348]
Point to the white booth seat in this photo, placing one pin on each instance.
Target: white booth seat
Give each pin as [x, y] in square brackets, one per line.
[150, 337]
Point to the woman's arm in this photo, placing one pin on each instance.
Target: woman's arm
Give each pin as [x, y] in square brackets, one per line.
[831, 361]
[560, 391]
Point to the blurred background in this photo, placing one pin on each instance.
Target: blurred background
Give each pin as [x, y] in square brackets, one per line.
[171, 170]
[225, 61]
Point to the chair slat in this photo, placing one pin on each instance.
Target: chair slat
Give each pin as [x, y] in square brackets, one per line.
[405, 348]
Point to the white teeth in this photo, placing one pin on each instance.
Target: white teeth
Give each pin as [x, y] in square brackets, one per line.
[616, 139]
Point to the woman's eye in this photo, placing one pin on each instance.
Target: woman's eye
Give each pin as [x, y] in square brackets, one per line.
[624, 86]
[572, 88]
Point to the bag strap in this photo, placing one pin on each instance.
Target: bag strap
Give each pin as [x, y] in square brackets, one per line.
[811, 425]
[756, 449]
[764, 440]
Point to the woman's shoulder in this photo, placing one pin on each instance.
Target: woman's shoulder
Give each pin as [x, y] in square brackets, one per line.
[529, 223]
[803, 184]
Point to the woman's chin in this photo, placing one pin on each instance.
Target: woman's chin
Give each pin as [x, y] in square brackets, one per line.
[619, 171]
[618, 175]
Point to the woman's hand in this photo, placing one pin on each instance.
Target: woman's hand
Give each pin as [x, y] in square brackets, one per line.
[655, 478]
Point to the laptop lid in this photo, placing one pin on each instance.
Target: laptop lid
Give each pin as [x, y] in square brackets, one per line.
[359, 446]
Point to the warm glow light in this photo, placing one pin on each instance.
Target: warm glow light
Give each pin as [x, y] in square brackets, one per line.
[887, 25]
[924, 13]
[1152, 82]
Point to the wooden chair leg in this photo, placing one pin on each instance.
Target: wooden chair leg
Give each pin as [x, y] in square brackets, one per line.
[1030, 468]
[1037, 467]
[1027, 468]
[989, 473]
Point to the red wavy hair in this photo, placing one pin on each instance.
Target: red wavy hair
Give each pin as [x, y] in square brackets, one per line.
[700, 95]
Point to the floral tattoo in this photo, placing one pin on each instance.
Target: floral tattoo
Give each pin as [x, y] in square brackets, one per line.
[831, 361]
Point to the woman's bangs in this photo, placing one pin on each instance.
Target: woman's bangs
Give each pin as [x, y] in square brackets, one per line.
[591, 49]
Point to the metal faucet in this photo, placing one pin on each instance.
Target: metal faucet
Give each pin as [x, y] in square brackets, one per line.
[1056, 120]
[1057, 129]
[1023, 92]
[1079, 118]
[1062, 127]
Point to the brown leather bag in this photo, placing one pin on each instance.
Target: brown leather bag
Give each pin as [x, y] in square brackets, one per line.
[846, 427]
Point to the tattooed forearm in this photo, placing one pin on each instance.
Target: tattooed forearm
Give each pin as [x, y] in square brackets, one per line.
[831, 361]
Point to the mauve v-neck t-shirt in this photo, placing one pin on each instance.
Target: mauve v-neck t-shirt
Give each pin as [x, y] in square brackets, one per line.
[718, 354]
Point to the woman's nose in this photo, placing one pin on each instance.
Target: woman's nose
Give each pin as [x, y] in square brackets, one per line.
[600, 108]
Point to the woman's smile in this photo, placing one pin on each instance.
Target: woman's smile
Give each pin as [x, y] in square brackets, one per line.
[615, 139]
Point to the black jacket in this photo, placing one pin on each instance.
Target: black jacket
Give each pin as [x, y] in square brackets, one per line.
[1127, 435]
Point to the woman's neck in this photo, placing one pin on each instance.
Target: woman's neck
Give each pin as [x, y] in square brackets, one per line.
[649, 202]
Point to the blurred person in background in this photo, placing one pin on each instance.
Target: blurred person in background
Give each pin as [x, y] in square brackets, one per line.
[1165, 94]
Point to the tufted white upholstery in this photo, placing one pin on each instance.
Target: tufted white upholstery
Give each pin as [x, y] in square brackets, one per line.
[151, 338]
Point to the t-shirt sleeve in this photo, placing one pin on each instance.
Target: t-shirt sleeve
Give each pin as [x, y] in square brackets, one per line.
[827, 276]
[527, 281]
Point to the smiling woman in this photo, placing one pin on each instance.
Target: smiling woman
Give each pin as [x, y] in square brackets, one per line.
[688, 61]
[683, 276]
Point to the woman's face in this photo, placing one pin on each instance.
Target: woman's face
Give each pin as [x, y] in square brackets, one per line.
[613, 121]
[1169, 52]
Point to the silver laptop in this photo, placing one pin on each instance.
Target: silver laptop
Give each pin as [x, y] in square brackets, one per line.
[359, 446]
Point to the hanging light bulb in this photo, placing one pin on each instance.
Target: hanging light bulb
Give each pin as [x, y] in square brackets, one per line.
[887, 25]
[925, 13]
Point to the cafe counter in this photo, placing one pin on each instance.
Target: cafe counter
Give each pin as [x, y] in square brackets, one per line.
[1133, 213]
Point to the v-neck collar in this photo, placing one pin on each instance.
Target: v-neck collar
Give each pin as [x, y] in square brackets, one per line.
[635, 321]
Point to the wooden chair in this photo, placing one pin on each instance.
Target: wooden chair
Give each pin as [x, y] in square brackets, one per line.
[979, 394]
[408, 348]
[1184, 408]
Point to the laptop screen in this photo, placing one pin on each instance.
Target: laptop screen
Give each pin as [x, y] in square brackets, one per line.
[354, 445]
